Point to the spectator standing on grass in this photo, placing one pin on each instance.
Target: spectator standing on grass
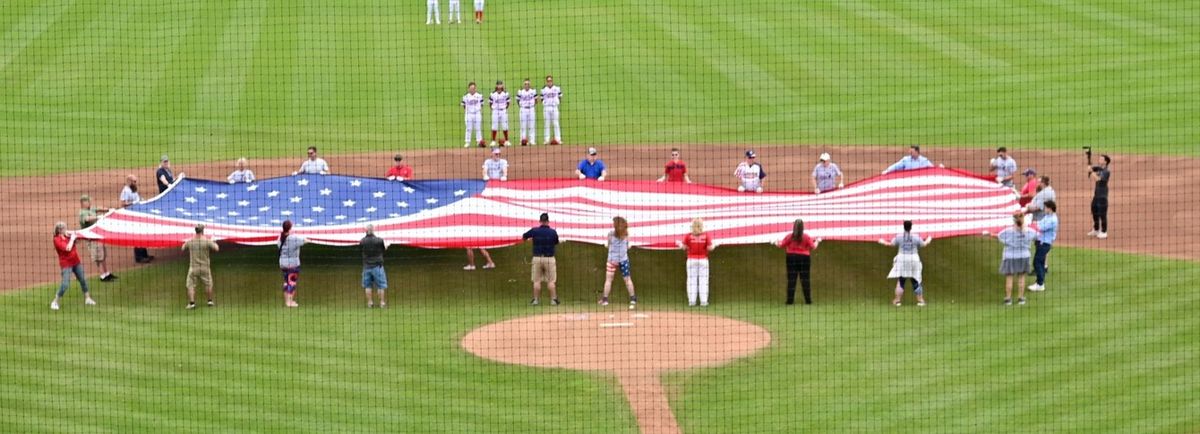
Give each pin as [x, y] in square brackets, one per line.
[827, 176]
[1003, 167]
[697, 244]
[1030, 188]
[799, 247]
[1045, 193]
[373, 275]
[199, 248]
[914, 160]
[68, 261]
[289, 262]
[242, 174]
[618, 259]
[1048, 226]
[1014, 261]
[130, 197]
[545, 239]
[399, 171]
[591, 167]
[1100, 174]
[314, 165]
[907, 263]
[675, 170]
[88, 216]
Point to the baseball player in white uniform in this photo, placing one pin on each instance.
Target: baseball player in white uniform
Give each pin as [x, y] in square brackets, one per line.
[499, 103]
[551, 95]
[527, 98]
[433, 11]
[478, 11]
[472, 104]
[454, 15]
[750, 174]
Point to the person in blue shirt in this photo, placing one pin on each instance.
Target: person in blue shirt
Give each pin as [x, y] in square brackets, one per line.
[913, 161]
[1048, 226]
[592, 167]
[544, 239]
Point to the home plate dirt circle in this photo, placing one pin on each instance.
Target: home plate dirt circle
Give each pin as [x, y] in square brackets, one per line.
[636, 347]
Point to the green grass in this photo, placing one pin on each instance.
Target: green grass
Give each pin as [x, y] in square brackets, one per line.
[214, 80]
[1110, 347]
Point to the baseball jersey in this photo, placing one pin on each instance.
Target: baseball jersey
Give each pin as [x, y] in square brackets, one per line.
[697, 245]
[128, 196]
[527, 98]
[495, 168]
[551, 96]
[499, 101]
[750, 171]
[1004, 167]
[908, 243]
[473, 102]
[826, 176]
[675, 170]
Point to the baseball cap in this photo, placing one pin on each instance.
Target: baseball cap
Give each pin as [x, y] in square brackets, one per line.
[751, 154]
[164, 158]
[824, 156]
[398, 157]
[495, 150]
[1030, 171]
[85, 197]
[591, 151]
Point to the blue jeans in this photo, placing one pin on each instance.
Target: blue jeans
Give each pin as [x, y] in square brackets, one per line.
[1039, 261]
[374, 277]
[66, 279]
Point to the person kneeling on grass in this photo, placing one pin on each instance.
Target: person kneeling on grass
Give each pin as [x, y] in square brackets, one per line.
[618, 259]
[199, 269]
[907, 264]
[1015, 259]
[68, 260]
[289, 262]
[373, 275]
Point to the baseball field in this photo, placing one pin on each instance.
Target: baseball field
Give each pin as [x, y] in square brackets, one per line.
[93, 91]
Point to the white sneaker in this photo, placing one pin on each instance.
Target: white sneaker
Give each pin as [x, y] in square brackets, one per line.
[546, 142]
[1037, 288]
[1093, 233]
[1102, 235]
[469, 267]
[467, 145]
[758, 190]
[493, 144]
[89, 302]
[54, 305]
[741, 189]
[489, 266]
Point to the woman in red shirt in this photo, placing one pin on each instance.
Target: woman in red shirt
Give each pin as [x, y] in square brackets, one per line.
[799, 247]
[69, 261]
[698, 244]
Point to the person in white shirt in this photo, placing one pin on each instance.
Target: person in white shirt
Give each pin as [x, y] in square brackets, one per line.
[432, 12]
[478, 11]
[527, 98]
[454, 15]
[750, 174]
[499, 104]
[472, 104]
[313, 165]
[551, 96]
[131, 197]
[242, 174]
[495, 167]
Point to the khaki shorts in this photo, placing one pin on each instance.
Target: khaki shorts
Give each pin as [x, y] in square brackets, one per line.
[544, 269]
[203, 277]
[97, 250]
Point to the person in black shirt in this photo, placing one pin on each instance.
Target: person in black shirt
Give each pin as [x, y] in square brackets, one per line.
[373, 276]
[164, 177]
[1100, 175]
[545, 239]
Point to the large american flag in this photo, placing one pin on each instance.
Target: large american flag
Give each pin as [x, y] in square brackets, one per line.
[333, 210]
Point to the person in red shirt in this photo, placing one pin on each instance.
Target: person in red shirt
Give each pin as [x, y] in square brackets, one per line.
[399, 172]
[69, 261]
[697, 244]
[676, 169]
[1030, 189]
[799, 247]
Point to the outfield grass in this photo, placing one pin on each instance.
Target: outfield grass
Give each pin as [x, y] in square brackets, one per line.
[1110, 347]
[121, 84]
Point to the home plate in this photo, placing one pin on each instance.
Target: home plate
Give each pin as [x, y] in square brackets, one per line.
[615, 324]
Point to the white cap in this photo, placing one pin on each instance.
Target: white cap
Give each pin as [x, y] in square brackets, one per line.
[824, 156]
[495, 150]
[591, 151]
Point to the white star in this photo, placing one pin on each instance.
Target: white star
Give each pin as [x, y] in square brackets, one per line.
[252, 187]
[295, 199]
[347, 203]
[264, 225]
[431, 200]
[318, 209]
[308, 220]
[252, 218]
[233, 213]
[201, 214]
[273, 194]
[285, 212]
[241, 221]
[371, 209]
[211, 207]
[156, 211]
[180, 210]
[201, 189]
[409, 189]
[186, 214]
[209, 220]
[302, 182]
[460, 192]
[243, 203]
[402, 204]
[222, 195]
[189, 199]
[393, 215]
[276, 221]
[326, 191]
[264, 209]
[221, 218]
[355, 183]
[339, 217]
[379, 194]
[363, 219]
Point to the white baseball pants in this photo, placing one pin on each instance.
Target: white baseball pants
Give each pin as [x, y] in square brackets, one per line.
[697, 281]
[499, 120]
[551, 115]
[474, 122]
[433, 11]
[455, 12]
[529, 124]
